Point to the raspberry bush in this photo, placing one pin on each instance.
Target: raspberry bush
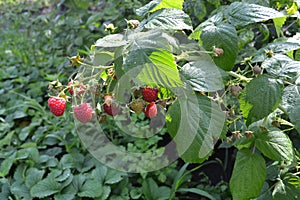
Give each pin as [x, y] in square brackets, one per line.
[185, 81]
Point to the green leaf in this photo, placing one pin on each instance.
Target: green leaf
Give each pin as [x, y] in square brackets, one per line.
[215, 19]
[114, 176]
[278, 47]
[275, 145]
[223, 36]
[91, 188]
[45, 187]
[204, 76]
[242, 14]
[155, 5]
[261, 96]
[146, 8]
[282, 66]
[150, 59]
[195, 122]
[291, 102]
[151, 190]
[20, 190]
[279, 22]
[68, 192]
[248, 175]
[113, 40]
[197, 191]
[6, 165]
[33, 176]
[285, 189]
[177, 4]
[170, 19]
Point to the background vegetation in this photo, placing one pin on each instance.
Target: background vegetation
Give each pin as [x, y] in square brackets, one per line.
[42, 156]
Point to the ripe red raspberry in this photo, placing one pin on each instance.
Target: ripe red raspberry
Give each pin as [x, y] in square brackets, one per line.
[78, 87]
[83, 112]
[57, 105]
[111, 109]
[150, 94]
[151, 110]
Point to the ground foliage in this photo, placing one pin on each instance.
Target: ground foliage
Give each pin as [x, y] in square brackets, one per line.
[42, 156]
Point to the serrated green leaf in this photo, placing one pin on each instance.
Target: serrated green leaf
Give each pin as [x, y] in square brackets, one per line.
[261, 96]
[91, 188]
[242, 14]
[20, 190]
[150, 59]
[169, 19]
[291, 102]
[278, 47]
[195, 123]
[6, 165]
[78, 181]
[45, 187]
[204, 76]
[177, 4]
[248, 175]
[106, 192]
[275, 145]
[215, 19]
[146, 8]
[68, 192]
[113, 176]
[113, 40]
[221, 36]
[33, 175]
[279, 22]
[283, 67]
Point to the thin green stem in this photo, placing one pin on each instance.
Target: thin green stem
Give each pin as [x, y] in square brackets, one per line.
[239, 76]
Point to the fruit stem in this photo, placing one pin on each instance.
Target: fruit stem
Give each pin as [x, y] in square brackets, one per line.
[241, 77]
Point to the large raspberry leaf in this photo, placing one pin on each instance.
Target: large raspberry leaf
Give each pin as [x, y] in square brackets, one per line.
[249, 174]
[195, 123]
[275, 145]
[261, 96]
[204, 76]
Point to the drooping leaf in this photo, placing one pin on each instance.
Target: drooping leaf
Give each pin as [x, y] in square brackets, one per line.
[45, 187]
[242, 14]
[222, 36]
[204, 76]
[248, 175]
[275, 145]
[195, 122]
[261, 96]
[291, 102]
[169, 19]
